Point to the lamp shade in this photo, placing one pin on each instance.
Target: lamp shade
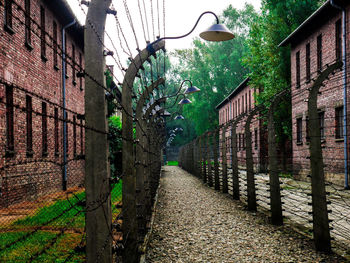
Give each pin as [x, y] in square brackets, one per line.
[191, 89]
[217, 32]
[179, 117]
[185, 101]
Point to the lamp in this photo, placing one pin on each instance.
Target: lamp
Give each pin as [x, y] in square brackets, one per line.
[179, 117]
[191, 89]
[184, 101]
[217, 32]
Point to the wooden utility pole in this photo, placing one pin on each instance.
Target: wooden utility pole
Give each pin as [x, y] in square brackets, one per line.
[97, 173]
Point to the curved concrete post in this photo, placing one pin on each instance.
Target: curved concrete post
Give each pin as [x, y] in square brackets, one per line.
[251, 191]
[216, 159]
[210, 171]
[224, 160]
[319, 201]
[130, 253]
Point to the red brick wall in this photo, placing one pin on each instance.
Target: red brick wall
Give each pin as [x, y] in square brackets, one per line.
[331, 97]
[233, 108]
[28, 177]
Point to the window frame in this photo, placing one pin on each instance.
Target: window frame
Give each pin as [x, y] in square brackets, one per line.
[339, 123]
[319, 53]
[299, 133]
[308, 62]
[29, 125]
[297, 70]
[10, 135]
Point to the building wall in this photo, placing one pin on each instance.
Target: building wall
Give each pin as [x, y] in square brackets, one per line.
[242, 102]
[26, 176]
[330, 97]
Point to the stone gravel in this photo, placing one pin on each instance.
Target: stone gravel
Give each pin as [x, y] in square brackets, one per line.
[194, 223]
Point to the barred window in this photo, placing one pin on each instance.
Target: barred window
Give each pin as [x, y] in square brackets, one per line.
[9, 120]
[81, 137]
[29, 113]
[44, 128]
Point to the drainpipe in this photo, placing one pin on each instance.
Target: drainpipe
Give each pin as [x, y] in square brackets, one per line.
[64, 172]
[346, 184]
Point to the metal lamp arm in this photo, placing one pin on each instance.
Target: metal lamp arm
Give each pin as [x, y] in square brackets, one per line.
[150, 46]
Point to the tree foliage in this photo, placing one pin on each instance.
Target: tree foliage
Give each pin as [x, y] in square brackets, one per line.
[269, 64]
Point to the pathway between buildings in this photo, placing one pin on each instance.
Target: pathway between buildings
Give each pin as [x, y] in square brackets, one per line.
[194, 223]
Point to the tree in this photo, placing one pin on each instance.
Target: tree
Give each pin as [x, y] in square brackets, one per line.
[268, 64]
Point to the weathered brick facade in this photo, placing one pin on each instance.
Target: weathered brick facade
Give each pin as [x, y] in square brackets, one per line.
[30, 68]
[241, 100]
[315, 43]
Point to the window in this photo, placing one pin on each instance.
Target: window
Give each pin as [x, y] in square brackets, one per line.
[44, 128]
[339, 115]
[73, 65]
[8, 16]
[57, 144]
[321, 121]
[81, 137]
[256, 139]
[242, 103]
[9, 121]
[239, 142]
[65, 57]
[239, 107]
[319, 53]
[243, 139]
[246, 102]
[42, 34]
[29, 112]
[250, 100]
[67, 133]
[74, 136]
[297, 62]
[55, 45]
[80, 69]
[308, 63]
[28, 30]
[299, 130]
[338, 40]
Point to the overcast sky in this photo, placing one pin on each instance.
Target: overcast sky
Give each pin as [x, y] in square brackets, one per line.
[180, 17]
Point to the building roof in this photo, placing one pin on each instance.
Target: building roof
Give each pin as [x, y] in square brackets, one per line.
[316, 20]
[65, 15]
[240, 87]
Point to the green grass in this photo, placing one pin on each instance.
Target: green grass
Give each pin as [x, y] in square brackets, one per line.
[172, 163]
[26, 239]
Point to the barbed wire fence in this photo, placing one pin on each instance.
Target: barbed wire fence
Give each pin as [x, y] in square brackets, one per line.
[299, 188]
[41, 220]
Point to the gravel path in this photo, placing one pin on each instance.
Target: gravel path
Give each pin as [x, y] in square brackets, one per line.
[194, 223]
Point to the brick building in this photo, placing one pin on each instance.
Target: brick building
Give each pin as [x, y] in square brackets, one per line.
[31, 99]
[314, 45]
[240, 101]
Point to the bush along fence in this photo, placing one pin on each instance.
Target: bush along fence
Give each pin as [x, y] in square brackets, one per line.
[228, 160]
